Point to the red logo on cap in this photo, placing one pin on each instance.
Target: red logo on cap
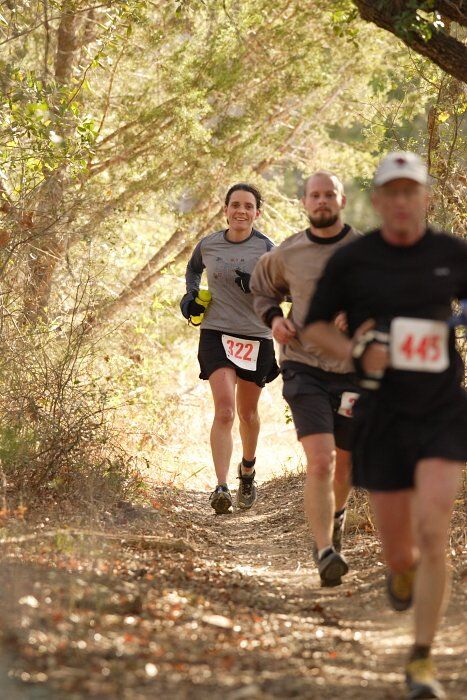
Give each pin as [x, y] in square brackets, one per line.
[401, 161]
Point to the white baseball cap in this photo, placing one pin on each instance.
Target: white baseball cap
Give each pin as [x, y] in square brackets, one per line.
[401, 164]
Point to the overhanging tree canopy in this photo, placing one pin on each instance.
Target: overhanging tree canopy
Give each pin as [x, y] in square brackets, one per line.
[422, 26]
[114, 108]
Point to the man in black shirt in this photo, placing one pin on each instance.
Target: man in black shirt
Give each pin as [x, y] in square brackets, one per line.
[396, 285]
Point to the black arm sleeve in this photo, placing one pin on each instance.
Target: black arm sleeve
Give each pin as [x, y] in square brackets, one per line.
[271, 314]
[328, 299]
[194, 269]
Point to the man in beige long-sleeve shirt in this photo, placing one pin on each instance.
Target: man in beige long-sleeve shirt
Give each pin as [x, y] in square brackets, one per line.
[319, 390]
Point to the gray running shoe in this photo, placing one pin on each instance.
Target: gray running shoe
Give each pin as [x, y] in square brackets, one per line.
[246, 493]
[221, 500]
[331, 567]
[338, 531]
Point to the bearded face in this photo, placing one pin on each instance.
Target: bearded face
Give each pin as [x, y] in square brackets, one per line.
[323, 200]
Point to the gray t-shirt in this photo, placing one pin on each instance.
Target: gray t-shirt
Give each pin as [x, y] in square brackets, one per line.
[230, 310]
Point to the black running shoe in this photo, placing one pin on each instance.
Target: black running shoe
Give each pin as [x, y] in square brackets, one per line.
[221, 500]
[246, 493]
[421, 681]
[338, 531]
[399, 588]
[314, 553]
[331, 567]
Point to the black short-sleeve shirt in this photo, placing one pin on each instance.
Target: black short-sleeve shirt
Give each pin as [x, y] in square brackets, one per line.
[371, 278]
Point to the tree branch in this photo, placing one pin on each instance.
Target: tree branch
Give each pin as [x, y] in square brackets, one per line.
[179, 244]
[67, 43]
[455, 11]
[29, 30]
[171, 251]
[447, 52]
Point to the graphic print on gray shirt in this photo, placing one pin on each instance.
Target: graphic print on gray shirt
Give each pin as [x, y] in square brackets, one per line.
[230, 310]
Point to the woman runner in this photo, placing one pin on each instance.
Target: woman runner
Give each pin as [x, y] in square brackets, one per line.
[236, 352]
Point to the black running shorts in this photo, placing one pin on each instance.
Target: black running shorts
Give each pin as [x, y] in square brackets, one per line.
[321, 402]
[388, 444]
[212, 355]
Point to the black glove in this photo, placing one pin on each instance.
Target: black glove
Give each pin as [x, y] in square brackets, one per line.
[190, 307]
[243, 281]
[368, 380]
[195, 309]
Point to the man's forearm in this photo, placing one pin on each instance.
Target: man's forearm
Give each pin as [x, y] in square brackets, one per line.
[326, 336]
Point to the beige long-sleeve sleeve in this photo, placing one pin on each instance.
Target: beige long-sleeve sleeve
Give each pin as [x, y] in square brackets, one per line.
[268, 284]
[291, 271]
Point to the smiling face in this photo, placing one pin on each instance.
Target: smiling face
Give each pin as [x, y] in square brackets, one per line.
[402, 205]
[323, 200]
[241, 211]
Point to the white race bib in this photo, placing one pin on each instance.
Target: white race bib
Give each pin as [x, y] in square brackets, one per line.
[348, 399]
[419, 345]
[243, 353]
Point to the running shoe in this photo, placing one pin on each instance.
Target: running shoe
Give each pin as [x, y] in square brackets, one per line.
[399, 588]
[331, 567]
[246, 493]
[221, 500]
[421, 681]
[338, 531]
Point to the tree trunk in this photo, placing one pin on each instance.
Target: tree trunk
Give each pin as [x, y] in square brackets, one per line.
[42, 264]
[67, 44]
[45, 248]
[48, 245]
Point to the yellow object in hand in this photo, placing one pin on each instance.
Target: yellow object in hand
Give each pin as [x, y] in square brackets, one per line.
[203, 297]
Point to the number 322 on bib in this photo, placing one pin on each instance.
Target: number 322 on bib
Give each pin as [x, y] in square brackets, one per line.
[242, 352]
[419, 345]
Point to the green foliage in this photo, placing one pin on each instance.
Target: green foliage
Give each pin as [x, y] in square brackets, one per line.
[42, 130]
[165, 95]
[420, 18]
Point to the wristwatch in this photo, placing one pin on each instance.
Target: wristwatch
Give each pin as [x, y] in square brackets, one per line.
[368, 380]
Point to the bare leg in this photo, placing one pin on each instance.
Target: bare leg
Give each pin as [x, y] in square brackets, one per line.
[437, 483]
[248, 394]
[222, 383]
[320, 503]
[393, 515]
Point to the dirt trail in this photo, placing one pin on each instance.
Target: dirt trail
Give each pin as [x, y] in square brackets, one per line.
[231, 610]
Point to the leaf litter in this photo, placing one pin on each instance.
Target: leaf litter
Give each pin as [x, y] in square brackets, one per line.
[232, 610]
